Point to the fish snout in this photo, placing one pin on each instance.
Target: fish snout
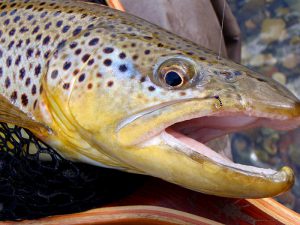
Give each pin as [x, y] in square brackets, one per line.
[266, 97]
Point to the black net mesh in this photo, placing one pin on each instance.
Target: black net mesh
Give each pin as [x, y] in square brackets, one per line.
[35, 181]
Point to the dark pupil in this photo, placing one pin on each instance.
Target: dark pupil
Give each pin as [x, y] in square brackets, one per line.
[173, 79]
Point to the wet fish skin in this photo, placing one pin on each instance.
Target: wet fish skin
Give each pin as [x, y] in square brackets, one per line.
[83, 70]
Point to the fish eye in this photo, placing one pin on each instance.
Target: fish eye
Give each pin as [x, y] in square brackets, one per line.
[174, 79]
[175, 73]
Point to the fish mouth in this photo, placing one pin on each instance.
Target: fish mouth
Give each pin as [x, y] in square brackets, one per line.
[164, 130]
[192, 136]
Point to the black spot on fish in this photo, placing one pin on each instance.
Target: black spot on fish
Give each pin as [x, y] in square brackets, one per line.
[86, 34]
[91, 26]
[77, 31]
[148, 38]
[29, 7]
[8, 61]
[107, 62]
[43, 14]
[18, 59]
[33, 89]
[30, 17]
[61, 44]
[24, 99]
[34, 104]
[65, 29]
[110, 83]
[46, 55]
[27, 82]
[85, 57]
[12, 32]
[24, 29]
[3, 14]
[66, 86]
[46, 40]
[78, 51]
[59, 23]
[122, 55]
[57, 13]
[14, 96]
[35, 30]
[151, 88]
[38, 53]
[7, 82]
[91, 62]
[3, 7]
[73, 45]
[11, 44]
[135, 57]
[19, 44]
[54, 74]
[17, 18]
[22, 73]
[29, 52]
[108, 50]
[75, 72]
[143, 79]
[67, 65]
[81, 77]
[38, 37]
[94, 41]
[41, 89]
[123, 68]
[48, 25]
[6, 22]
[37, 70]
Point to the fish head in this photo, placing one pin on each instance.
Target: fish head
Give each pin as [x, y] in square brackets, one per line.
[141, 99]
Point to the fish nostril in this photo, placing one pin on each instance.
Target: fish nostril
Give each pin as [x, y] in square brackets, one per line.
[228, 76]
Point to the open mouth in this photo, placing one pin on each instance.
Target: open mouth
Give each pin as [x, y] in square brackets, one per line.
[192, 137]
[174, 142]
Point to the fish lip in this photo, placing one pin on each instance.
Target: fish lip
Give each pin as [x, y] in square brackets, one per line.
[208, 154]
[150, 110]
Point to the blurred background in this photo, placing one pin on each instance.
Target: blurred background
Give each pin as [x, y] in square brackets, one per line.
[270, 31]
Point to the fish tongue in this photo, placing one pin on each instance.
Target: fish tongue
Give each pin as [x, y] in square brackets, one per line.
[221, 145]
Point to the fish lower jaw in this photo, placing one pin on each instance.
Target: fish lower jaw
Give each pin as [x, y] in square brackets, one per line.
[191, 138]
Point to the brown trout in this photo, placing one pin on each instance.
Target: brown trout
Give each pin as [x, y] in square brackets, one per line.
[106, 88]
